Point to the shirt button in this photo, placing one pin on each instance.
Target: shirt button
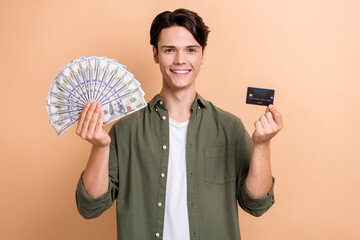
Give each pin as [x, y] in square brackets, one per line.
[164, 147]
[157, 234]
[161, 102]
[163, 117]
[159, 204]
[199, 107]
[162, 174]
[156, 110]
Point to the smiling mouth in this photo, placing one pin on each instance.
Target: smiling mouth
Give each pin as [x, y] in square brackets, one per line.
[180, 71]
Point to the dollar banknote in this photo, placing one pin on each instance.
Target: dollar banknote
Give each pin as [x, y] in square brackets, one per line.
[94, 79]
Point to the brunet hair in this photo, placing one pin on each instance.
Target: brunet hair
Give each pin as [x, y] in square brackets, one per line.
[183, 18]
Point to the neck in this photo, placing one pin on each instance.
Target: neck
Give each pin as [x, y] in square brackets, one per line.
[179, 103]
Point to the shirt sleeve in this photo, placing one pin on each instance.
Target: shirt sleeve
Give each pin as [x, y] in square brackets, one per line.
[256, 206]
[253, 206]
[90, 207]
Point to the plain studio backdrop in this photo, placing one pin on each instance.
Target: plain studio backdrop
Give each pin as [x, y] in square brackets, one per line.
[308, 51]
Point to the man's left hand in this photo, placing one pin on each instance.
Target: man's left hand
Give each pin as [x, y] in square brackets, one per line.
[267, 126]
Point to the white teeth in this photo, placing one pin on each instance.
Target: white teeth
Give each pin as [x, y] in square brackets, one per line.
[180, 71]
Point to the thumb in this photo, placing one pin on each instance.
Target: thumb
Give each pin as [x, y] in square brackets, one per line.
[268, 109]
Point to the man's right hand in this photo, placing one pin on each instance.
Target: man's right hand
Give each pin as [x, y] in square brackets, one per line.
[90, 126]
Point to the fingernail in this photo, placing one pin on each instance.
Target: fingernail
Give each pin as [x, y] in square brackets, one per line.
[271, 106]
[93, 104]
[98, 106]
[87, 104]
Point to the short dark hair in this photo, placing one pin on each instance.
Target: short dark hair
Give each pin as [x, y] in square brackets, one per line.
[183, 18]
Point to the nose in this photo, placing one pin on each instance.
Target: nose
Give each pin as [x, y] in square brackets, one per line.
[179, 58]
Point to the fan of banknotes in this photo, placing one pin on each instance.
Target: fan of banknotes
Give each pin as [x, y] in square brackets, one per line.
[93, 79]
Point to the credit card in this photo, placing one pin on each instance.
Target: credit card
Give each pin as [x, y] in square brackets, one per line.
[260, 96]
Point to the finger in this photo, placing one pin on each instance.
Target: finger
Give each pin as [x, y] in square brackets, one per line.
[271, 120]
[264, 122]
[94, 120]
[87, 120]
[277, 116]
[268, 108]
[258, 127]
[81, 119]
[100, 123]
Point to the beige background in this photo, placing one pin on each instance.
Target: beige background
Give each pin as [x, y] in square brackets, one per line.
[307, 50]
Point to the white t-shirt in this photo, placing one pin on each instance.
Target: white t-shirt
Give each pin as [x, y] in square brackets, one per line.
[176, 224]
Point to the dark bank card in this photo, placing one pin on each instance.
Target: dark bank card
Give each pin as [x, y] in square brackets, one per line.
[260, 96]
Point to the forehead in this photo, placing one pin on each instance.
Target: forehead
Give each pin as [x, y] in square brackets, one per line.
[176, 36]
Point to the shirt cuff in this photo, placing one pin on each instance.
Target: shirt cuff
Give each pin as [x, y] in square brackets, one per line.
[88, 206]
[257, 206]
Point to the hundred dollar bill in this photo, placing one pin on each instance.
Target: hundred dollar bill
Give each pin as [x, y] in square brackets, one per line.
[94, 75]
[110, 75]
[54, 99]
[135, 101]
[71, 73]
[114, 81]
[101, 64]
[91, 62]
[68, 117]
[69, 85]
[66, 87]
[62, 109]
[115, 92]
[84, 72]
[123, 105]
[117, 85]
[59, 93]
[64, 125]
[104, 69]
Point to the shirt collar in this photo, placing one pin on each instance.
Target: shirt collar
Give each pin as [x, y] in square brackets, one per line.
[199, 100]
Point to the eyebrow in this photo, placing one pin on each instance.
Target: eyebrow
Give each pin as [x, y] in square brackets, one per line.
[190, 46]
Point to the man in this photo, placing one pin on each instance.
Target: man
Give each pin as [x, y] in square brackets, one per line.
[177, 168]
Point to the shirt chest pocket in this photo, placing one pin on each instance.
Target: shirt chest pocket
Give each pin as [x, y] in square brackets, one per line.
[220, 164]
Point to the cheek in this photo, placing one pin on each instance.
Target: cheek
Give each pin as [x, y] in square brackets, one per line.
[165, 60]
[196, 61]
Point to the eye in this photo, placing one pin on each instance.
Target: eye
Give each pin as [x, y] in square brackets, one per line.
[192, 50]
[169, 50]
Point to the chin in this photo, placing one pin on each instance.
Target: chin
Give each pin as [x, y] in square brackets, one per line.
[180, 84]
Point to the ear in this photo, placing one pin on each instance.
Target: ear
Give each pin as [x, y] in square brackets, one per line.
[203, 56]
[155, 55]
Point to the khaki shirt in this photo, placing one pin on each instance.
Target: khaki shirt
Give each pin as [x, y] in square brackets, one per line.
[218, 151]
